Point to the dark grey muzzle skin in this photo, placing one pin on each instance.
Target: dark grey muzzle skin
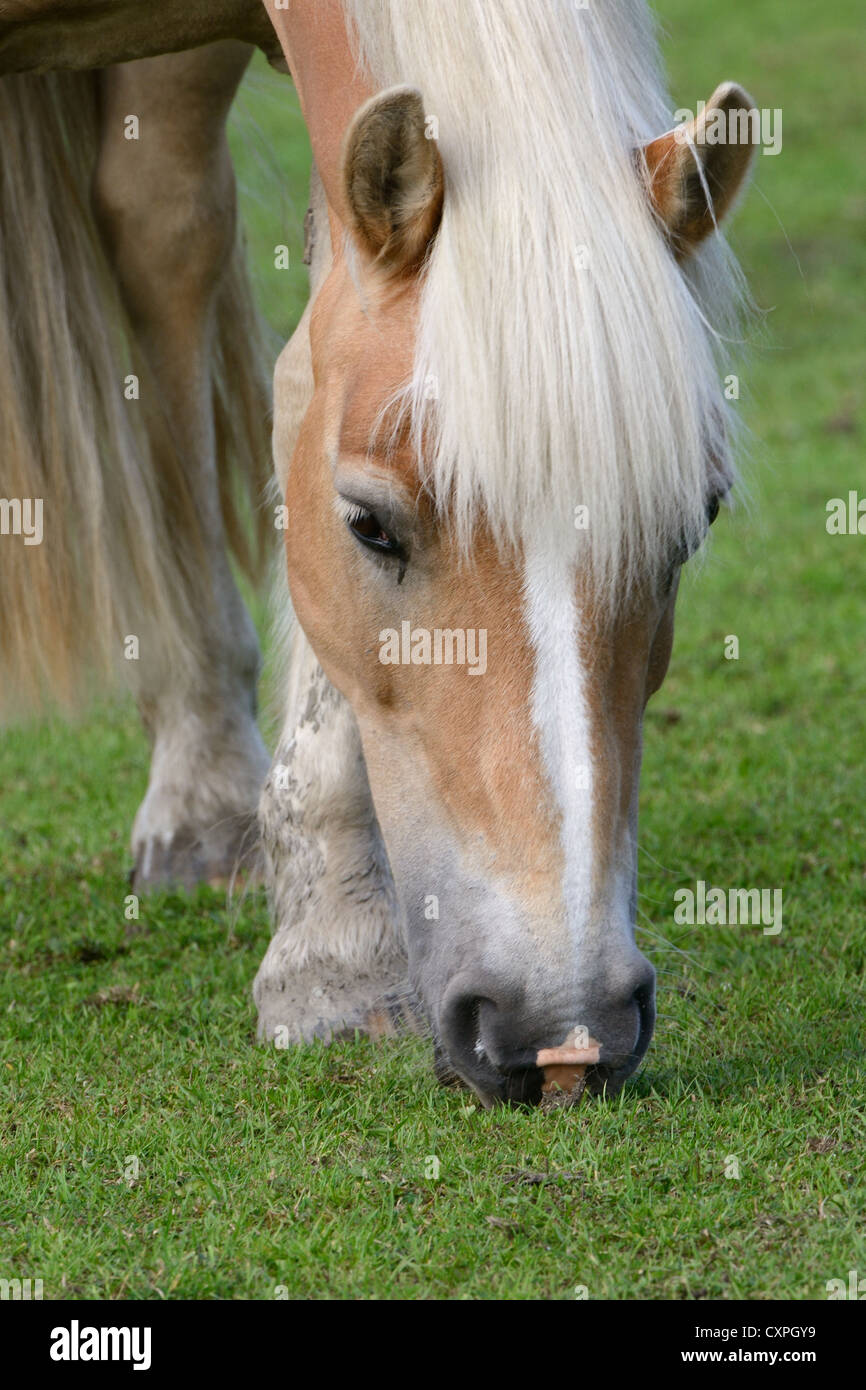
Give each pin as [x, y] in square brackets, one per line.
[489, 1034]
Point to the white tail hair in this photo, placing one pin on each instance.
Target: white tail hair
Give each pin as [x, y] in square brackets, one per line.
[127, 553]
[574, 362]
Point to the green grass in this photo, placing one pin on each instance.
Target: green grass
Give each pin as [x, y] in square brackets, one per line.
[307, 1169]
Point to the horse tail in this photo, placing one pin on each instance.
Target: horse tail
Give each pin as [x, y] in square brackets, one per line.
[244, 353]
[94, 540]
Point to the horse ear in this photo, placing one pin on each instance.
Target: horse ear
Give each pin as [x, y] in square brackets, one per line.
[393, 179]
[691, 162]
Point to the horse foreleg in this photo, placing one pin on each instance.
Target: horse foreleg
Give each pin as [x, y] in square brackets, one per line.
[165, 201]
[337, 960]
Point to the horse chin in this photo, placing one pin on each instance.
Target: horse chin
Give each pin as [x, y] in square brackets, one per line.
[521, 1087]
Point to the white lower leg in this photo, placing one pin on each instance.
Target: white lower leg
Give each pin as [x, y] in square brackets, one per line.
[338, 949]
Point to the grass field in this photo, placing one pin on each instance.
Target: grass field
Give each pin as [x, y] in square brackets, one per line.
[151, 1150]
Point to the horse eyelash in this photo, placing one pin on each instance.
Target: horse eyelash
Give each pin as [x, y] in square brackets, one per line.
[350, 512]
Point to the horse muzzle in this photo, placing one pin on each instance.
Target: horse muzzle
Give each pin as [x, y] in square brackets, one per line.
[507, 1053]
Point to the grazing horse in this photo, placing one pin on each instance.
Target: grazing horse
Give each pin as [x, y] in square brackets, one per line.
[515, 434]
[499, 429]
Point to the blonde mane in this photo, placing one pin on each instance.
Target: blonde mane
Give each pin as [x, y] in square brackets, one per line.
[564, 359]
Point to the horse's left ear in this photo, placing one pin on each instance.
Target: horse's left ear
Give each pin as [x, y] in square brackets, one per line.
[695, 160]
[392, 179]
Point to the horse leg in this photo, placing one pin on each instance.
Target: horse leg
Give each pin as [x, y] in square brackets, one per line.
[166, 205]
[337, 961]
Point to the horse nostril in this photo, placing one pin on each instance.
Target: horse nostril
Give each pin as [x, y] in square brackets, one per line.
[461, 1028]
[468, 1017]
[642, 997]
[644, 1001]
[467, 1020]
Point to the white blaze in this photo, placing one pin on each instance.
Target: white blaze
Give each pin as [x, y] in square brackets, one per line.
[560, 713]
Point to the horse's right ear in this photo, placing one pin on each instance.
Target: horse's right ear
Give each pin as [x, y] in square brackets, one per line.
[392, 179]
[693, 183]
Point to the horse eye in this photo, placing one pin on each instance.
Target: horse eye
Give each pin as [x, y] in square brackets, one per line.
[369, 530]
